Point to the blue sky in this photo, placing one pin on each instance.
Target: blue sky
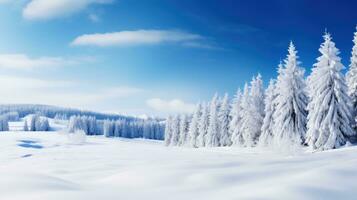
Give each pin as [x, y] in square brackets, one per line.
[154, 56]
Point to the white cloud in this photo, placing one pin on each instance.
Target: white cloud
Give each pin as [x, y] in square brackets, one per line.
[138, 37]
[24, 62]
[93, 18]
[171, 106]
[50, 9]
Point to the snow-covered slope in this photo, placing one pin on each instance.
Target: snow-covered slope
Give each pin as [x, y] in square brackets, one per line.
[47, 166]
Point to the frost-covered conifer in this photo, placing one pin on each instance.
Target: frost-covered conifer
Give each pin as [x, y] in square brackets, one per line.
[175, 128]
[26, 128]
[235, 114]
[184, 126]
[203, 126]
[212, 136]
[266, 135]
[224, 119]
[329, 116]
[253, 115]
[352, 76]
[290, 102]
[193, 128]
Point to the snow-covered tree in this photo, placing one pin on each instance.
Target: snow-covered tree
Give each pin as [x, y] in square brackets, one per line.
[224, 119]
[26, 128]
[235, 114]
[266, 135]
[212, 136]
[329, 110]
[290, 102]
[108, 128]
[193, 128]
[203, 126]
[168, 131]
[184, 129]
[351, 76]
[253, 112]
[175, 128]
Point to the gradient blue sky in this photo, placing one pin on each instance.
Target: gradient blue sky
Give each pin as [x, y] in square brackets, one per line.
[170, 53]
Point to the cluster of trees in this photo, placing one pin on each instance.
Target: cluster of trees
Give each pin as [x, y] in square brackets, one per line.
[4, 123]
[139, 128]
[36, 123]
[318, 111]
[149, 129]
[86, 123]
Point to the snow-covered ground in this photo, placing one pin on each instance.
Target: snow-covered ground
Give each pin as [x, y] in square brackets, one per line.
[48, 166]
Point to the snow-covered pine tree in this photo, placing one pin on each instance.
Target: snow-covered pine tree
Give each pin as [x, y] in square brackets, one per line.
[238, 140]
[224, 119]
[26, 128]
[203, 126]
[253, 115]
[212, 136]
[266, 135]
[184, 126]
[351, 76]
[168, 131]
[235, 115]
[193, 128]
[329, 110]
[175, 127]
[290, 102]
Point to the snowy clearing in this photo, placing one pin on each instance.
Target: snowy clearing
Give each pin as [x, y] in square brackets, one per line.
[47, 166]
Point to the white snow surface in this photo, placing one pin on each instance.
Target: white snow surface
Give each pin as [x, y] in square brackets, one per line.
[47, 166]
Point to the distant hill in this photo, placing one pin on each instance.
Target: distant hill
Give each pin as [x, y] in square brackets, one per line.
[52, 111]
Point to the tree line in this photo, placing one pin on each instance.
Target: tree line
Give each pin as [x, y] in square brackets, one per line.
[318, 111]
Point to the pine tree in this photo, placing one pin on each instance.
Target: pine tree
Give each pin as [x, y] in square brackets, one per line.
[193, 128]
[244, 126]
[329, 117]
[253, 115]
[290, 102]
[212, 136]
[168, 131]
[351, 76]
[235, 115]
[175, 127]
[184, 125]
[26, 128]
[203, 126]
[266, 136]
[224, 119]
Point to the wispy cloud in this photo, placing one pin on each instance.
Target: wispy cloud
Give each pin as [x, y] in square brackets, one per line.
[170, 106]
[138, 37]
[24, 62]
[94, 18]
[50, 9]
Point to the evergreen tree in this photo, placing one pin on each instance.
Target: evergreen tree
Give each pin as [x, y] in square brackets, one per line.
[193, 128]
[26, 128]
[175, 127]
[168, 131]
[290, 102]
[184, 125]
[352, 76]
[329, 117]
[203, 126]
[238, 139]
[253, 115]
[266, 136]
[224, 119]
[235, 115]
[212, 136]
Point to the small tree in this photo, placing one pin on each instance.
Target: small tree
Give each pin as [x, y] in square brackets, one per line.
[212, 137]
